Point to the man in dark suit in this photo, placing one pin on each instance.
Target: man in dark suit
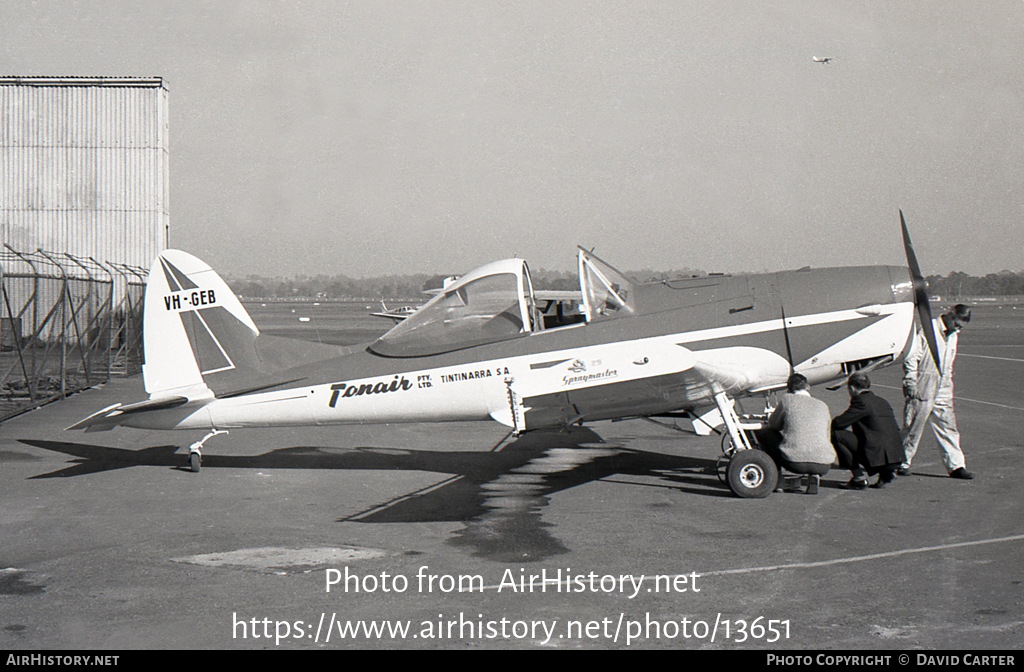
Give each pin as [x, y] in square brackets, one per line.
[872, 444]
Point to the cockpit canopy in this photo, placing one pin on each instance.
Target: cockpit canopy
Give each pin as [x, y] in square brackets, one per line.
[606, 292]
[496, 302]
[493, 303]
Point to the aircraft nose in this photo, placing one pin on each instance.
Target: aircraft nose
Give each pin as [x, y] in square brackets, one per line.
[902, 285]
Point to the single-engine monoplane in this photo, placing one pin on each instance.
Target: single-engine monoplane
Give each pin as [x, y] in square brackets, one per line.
[487, 348]
[396, 314]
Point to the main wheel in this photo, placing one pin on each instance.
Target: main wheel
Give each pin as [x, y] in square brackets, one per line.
[195, 460]
[752, 474]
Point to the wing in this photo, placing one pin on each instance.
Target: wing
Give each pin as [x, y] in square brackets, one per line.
[736, 371]
[397, 317]
[634, 379]
[741, 370]
[557, 295]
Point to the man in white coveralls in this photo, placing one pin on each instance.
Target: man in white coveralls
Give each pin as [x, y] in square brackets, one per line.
[929, 393]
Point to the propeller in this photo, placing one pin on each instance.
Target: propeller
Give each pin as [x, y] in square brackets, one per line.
[924, 309]
[789, 349]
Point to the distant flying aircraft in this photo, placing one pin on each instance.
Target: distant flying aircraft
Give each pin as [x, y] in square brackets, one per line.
[486, 348]
[822, 59]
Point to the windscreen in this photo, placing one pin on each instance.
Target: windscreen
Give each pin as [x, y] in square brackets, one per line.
[606, 292]
[481, 311]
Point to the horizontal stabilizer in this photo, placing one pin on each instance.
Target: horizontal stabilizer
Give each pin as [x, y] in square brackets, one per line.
[114, 415]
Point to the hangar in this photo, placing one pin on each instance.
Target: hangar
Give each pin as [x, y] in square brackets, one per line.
[83, 211]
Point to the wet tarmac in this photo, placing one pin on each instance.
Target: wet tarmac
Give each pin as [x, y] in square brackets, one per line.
[108, 541]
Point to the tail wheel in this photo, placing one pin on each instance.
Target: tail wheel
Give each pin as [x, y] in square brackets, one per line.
[752, 474]
[195, 460]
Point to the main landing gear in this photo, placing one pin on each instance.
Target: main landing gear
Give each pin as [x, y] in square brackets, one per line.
[750, 472]
[195, 456]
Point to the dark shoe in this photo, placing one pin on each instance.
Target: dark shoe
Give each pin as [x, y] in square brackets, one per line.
[903, 471]
[962, 474]
[856, 484]
[881, 483]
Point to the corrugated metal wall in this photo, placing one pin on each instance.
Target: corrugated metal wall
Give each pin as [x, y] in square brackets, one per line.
[84, 167]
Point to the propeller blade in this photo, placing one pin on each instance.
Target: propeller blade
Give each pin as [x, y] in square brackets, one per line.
[789, 349]
[924, 309]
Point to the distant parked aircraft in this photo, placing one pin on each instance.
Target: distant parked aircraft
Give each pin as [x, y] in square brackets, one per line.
[396, 314]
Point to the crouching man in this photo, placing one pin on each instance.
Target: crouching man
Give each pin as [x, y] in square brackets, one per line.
[797, 437]
[866, 436]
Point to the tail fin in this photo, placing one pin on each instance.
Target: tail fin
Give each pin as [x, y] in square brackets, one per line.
[198, 344]
[195, 330]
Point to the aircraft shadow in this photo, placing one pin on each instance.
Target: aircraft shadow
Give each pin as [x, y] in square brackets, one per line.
[500, 496]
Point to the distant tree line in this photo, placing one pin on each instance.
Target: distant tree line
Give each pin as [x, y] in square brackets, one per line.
[958, 285]
[330, 287]
[408, 287]
[412, 287]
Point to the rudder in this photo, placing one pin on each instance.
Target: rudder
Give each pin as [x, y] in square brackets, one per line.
[195, 330]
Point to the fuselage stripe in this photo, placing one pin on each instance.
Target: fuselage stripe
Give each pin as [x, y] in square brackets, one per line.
[776, 325]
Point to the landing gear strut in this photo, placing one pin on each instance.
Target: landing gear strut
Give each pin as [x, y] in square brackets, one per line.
[750, 473]
[195, 456]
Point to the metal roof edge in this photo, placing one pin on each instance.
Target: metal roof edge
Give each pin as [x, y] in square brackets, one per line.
[14, 80]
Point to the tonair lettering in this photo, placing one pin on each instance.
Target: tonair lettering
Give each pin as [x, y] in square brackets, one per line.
[474, 375]
[399, 384]
[586, 378]
[188, 300]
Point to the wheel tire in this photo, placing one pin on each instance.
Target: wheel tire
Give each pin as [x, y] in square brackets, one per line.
[728, 451]
[195, 460]
[752, 474]
[722, 468]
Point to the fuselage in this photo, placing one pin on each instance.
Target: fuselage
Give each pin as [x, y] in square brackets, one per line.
[749, 331]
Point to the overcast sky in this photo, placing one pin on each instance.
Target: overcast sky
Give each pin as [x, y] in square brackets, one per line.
[373, 137]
